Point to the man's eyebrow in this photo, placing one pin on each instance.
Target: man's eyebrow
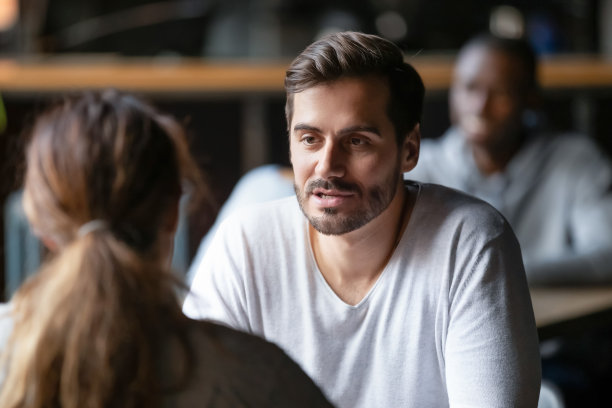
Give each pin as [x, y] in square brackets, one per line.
[304, 126]
[361, 128]
[346, 130]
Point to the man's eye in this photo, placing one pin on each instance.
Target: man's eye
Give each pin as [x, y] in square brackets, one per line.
[357, 141]
[308, 139]
[502, 93]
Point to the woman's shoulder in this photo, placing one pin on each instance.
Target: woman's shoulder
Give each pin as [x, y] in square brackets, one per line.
[234, 349]
[245, 364]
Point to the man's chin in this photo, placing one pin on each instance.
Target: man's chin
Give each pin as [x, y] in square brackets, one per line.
[476, 130]
[477, 137]
[332, 224]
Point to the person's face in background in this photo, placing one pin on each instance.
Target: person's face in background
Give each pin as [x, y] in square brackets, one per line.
[488, 96]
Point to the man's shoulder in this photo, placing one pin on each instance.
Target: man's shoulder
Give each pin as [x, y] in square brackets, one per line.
[568, 144]
[449, 196]
[568, 155]
[446, 219]
[449, 205]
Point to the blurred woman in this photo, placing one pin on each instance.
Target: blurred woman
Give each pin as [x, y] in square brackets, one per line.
[101, 325]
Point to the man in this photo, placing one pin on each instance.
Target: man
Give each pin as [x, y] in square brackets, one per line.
[388, 294]
[556, 191]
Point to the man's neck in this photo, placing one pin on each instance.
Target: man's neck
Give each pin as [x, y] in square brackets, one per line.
[351, 263]
[491, 159]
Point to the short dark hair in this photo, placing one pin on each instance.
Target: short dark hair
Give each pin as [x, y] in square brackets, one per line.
[353, 54]
[518, 48]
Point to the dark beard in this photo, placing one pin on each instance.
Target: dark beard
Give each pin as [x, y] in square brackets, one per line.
[330, 223]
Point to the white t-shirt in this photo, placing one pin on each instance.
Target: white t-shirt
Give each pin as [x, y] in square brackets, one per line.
[448, 323]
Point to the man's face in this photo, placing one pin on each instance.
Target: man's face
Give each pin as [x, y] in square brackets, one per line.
[344, 153]
[488, 95]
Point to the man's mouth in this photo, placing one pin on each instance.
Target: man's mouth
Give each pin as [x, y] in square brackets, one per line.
[324, 193]
[476, 124]
[326, 198]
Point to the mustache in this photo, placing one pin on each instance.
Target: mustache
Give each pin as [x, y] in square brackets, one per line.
[332, 185]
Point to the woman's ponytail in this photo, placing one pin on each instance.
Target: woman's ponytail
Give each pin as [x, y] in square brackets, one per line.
[104, 174]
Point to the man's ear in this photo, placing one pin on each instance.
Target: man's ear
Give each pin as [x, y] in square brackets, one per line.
[410, 149]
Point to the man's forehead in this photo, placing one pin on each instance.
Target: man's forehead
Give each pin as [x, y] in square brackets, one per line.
[484, 62]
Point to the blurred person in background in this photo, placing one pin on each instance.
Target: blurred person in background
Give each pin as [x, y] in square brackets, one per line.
[100, 324]
[554, 189]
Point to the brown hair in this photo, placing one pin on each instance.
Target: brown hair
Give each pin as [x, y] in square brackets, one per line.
[353, 54]
[87, 326]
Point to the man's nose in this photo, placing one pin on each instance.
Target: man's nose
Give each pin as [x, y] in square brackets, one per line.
[331, 161]
[481, 101]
